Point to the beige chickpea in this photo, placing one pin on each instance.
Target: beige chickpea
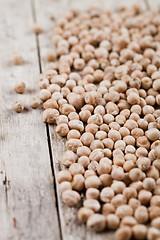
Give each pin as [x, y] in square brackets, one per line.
[87, 138]
[73, 116]
[118, 186]
[50, 115]
[62, 129]
[153, 233]
[51, 55]
[143, 163]
[84, 161]
[134, 203]
[35, 102]
[76, 168]
[114, 135]
[84, 115]
[143, 142]
[63, 176]
[96, 144]
[68, 158]
[92, 204]
[50, 103]
[108, 143]
[93, 165]
[141, 214]
[92, 128]
[135, 174]
[129, 192]
[101, 135]
[78, 182]
[117, 173]
[96, 222]
[92, 182]
[106, 180]
[84, 213]
[153, 134]
[118, 200]
[129, 140]
[112, 108]
[44, 95]
[139, 231]
[70, 197]
[141, 152]
[18, 106]
[144, 196]
[108, 208]
[153, 172]
[124, 210]
[129, 221]
[124, 131]
[65, 186]
[142, 124]
[92, 97]
[155, 201]
[112, 221]
[73, 134]
[20, 87]
[83, 151]
[73, 144]
[108, 118]
[17, 59]
[149, 184]
[37, 29]
[154, 212]
[123, 233]
[66, 109]
[92, 193]
[106, 194]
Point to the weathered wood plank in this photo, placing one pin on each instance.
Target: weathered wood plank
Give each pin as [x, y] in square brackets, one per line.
[153, 4]
[71, 228]
[27, 201]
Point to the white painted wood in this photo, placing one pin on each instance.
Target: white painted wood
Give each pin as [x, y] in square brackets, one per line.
[27, 201]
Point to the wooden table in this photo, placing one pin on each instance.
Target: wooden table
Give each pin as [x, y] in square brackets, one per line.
[30, 203]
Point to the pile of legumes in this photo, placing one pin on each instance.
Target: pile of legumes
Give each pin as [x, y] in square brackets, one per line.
[103, 92]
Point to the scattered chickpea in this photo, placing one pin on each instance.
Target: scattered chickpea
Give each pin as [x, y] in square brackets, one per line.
[96, 222]
[70, 197]
[35, 102]
[18, 106]
[20, 87]
[17, 59]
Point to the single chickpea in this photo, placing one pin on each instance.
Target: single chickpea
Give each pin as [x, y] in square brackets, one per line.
[153, 233]
[51, 55]
[84, 213]
[118, 186]
[153, 172]
[153, 134]
[62, 129]
[123, 233]
[35, 102]
[20, 87]
[129, 140]
[65, 186]
[135, 174]
[117, 173]
[149, 184]
[154, 212]
[143, 163]
[92, 182]
[92, 204]
[124, 131]
[139, 231]
[106, 180]
[106, 194]
[92, 193]
[83, 151]
[118, 200]
[73, 134]
[112, 221]
[68, 158]
[50, 115]
[156, 223]
[92, 128]
[129, 192]
[50, 103]
[76, 168]
[141, 152]
[78, 182]
[96, 144]
[96, 222]
[108, 143]
[134, 203]
[85, 115]
[44, 95]
[155, 201]
[124, 210]
[141, 214]
[73, 144]
[73, 116]
[64, 176]
[18, 106]
[71, 197]
[144, 196]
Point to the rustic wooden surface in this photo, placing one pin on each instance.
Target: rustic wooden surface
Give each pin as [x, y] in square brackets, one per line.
[30, 203]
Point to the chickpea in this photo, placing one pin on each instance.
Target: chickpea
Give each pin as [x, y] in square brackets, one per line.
[139, 231]
[92, 204]
[50, 115]
[118, 200]
[76, 168]
[135, 174]
[92, 193]
[73, 144]
[112, 221]
[20, 87]
[141, 214]
[144, 196]
[149, 184]
[123, 233]
[153, 233]
[92, 128]
[65, 186]
[78, 182]
[35, 102]
[96, 222]
[37, 29]
[18, 106]
[64, 176]
[134, 203]
[17, 59]
[124, 210]
[84, 213]
[68, 158]
[154, 212]
[70, 197]
[62, 129]
[44, 95]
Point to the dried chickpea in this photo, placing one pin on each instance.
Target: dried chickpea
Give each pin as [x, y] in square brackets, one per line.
[17, 59]
[70, 197]
[35, 102]
[20, 87]
[76, 168]
[78, 182]
[112, 221]
[141, 214]
[73, 134]
[123, 233]
[44, 95]
[64, 176]
[92, 193]
[139, 231]
[50, 115]
[92, 204]
[92, 182]
[18, 106]
[68, 158]
[37, 29]
[96, 222]
[84, 213]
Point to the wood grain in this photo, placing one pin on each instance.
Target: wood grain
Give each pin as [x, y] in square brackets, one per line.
[71, 228]
[27, 201]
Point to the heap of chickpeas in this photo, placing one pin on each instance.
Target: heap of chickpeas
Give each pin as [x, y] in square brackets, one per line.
[103, 92]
